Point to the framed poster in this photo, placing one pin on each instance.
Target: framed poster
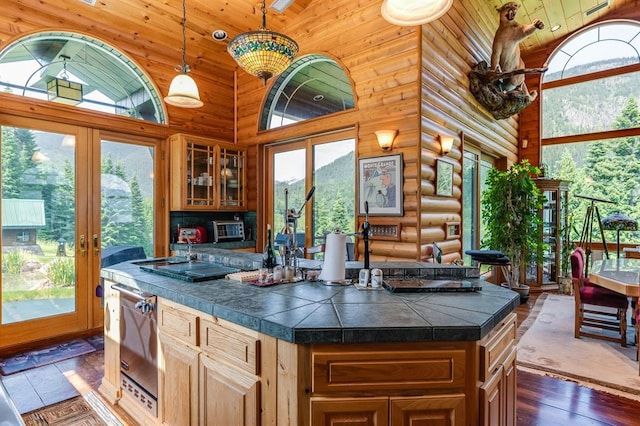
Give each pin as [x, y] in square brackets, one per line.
[444, 178]
[380, 185]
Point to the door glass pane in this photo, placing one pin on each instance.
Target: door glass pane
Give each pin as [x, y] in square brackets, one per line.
[470, 203]
[127, 188]
[289, 175]
[334, 177]
[334, 200]
[38, 224]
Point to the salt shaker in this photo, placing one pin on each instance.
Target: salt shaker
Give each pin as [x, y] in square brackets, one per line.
[376, 278]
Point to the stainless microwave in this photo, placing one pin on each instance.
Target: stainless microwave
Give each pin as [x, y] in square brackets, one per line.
[228, 230]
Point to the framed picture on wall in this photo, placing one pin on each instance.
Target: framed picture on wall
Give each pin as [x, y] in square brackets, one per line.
[380, 185]
[444, 178]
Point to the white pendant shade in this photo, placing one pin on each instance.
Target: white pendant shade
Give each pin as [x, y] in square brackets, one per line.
[183, 92]
[413, 12]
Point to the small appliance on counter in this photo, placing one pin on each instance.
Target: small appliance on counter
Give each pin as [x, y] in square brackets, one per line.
[192, 234]
[228, 230]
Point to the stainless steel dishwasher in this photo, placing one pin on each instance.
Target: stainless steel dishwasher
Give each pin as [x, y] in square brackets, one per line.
[138, 346]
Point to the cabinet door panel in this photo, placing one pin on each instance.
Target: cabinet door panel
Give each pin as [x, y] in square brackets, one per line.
[437, 410]
[228, 397]
[178, 390]
[510, 390]
[350, 411]
[492, 400]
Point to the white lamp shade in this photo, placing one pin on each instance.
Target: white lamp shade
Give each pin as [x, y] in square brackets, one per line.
[413, 12]
[183, 92]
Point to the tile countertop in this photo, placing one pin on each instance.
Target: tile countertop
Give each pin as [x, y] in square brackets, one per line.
[314, 312]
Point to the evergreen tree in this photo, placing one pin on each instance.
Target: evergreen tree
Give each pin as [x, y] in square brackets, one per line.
[339, 215]
[11, 167]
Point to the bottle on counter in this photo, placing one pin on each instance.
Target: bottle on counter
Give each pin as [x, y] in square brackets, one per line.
[269, 256]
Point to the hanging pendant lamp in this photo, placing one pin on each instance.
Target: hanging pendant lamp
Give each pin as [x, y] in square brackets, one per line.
[413, 12]
[263, 53]
[183, 91]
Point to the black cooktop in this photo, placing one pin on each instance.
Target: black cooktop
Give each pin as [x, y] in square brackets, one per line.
[190, 271]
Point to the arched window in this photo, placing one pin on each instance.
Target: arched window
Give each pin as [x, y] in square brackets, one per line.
[76, 69]
[312, 86]
[591, 123]
[577, 83]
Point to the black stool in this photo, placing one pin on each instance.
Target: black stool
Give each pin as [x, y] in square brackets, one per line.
[492, 258]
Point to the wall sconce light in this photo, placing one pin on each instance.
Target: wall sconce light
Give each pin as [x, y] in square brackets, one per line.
[446, 143]
[385, 138]
[525, 143]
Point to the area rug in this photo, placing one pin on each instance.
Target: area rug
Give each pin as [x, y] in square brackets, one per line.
[78, 411]
[548, 347]
[44, 356]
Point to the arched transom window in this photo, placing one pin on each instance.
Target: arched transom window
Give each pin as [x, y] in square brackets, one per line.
[79, 70]
[312, 86]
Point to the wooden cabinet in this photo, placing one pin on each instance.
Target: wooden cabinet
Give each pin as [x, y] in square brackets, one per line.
[228, 397]
[209, 370]
[349, 411]
[214, 372]
[178, 382]
[554, 221]
[206, 174]
[498, 371]
[109, 386]
[412, 384]
[178, 365]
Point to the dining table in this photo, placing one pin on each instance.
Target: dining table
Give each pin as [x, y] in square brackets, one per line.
[621, 275]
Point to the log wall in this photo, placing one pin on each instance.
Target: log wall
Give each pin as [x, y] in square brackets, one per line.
[409, 78]
[414, 79]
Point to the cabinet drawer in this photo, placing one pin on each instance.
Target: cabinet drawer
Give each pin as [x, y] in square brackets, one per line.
[178, 322]
[497, 346]
[351, 371]
[220, 341]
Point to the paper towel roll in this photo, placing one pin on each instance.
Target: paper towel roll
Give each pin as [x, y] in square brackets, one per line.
[334, 255]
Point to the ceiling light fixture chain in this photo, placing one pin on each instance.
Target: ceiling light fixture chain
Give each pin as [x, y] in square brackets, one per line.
[183, 91]
[185, 67]
[263, 53]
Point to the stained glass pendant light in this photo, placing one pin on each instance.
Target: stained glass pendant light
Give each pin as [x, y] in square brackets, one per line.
[263, 53]
[413, 12]
[183, 91]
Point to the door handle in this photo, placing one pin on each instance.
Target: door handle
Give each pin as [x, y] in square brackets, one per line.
[83, 250]
[96, 245]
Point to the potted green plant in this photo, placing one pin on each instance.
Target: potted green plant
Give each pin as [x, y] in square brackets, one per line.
[510, 211]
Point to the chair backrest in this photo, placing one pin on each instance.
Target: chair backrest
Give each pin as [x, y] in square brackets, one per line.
[577, 267]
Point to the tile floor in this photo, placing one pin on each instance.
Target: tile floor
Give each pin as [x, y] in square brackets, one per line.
[46, 385]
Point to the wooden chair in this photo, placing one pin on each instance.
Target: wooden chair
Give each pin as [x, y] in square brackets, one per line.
[578, 275]
[589, 304]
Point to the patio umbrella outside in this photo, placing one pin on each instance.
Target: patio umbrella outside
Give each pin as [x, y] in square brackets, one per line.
[619, 222]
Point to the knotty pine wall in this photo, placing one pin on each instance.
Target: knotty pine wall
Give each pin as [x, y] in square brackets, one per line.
[123, 25]
[410, 78]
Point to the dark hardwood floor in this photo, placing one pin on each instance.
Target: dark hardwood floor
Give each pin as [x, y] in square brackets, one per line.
[547, 401]
[542, 400]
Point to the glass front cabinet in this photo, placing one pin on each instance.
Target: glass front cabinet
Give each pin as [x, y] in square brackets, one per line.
[206, 174]
[554, 222]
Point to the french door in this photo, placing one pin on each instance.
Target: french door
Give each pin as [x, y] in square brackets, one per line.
[64, 189]
[326, 162]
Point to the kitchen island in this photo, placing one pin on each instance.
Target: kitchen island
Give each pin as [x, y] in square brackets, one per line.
[309, 353]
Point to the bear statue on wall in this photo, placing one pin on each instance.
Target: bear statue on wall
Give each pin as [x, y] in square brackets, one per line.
[500, 87]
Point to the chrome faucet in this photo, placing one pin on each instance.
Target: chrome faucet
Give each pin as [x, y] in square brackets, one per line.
[190, 256]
